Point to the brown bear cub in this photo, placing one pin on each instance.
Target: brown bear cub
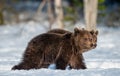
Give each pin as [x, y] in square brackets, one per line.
[61, 49]
[93, 33]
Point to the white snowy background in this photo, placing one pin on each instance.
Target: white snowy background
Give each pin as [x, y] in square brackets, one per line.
[104, 60]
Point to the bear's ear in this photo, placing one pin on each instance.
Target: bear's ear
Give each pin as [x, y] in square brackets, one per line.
[76, 30]
[83, 29]
[92, 32]
[68, 35]
[96, 32]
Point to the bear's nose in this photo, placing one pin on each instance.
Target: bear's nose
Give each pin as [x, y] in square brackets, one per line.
[91, 45]
[95, 45]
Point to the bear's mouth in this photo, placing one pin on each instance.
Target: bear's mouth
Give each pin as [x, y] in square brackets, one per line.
[88, 47]
[94, 46]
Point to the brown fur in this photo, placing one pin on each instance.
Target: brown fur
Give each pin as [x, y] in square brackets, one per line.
[74, 62]
[93, 33]
[58, 31]
[61, 49]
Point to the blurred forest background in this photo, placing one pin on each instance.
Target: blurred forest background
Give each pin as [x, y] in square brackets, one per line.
[17, 11]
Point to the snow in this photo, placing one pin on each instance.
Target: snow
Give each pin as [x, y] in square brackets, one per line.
[102, 61]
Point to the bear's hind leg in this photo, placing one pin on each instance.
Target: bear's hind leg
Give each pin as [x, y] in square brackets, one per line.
[21, 66]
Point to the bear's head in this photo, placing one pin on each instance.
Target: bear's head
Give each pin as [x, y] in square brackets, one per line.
[83, 39]
[94, 36]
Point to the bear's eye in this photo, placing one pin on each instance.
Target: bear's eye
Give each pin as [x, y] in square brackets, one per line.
[96, 40]
[90, 39]
[85, 39]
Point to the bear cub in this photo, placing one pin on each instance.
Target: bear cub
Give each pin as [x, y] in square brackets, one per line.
[61, 49]
[92, 32]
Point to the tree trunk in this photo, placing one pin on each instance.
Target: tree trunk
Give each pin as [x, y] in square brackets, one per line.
[39, 10]
[2, 5]
[90, 9]
[1, 18]
[50, 13]
[42, 4]
[59, 13]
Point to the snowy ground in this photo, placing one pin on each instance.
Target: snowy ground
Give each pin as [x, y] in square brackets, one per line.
[102, 61]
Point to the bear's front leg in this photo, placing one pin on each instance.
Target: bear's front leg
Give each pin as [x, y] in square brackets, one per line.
[61, 63]
[77, 62]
